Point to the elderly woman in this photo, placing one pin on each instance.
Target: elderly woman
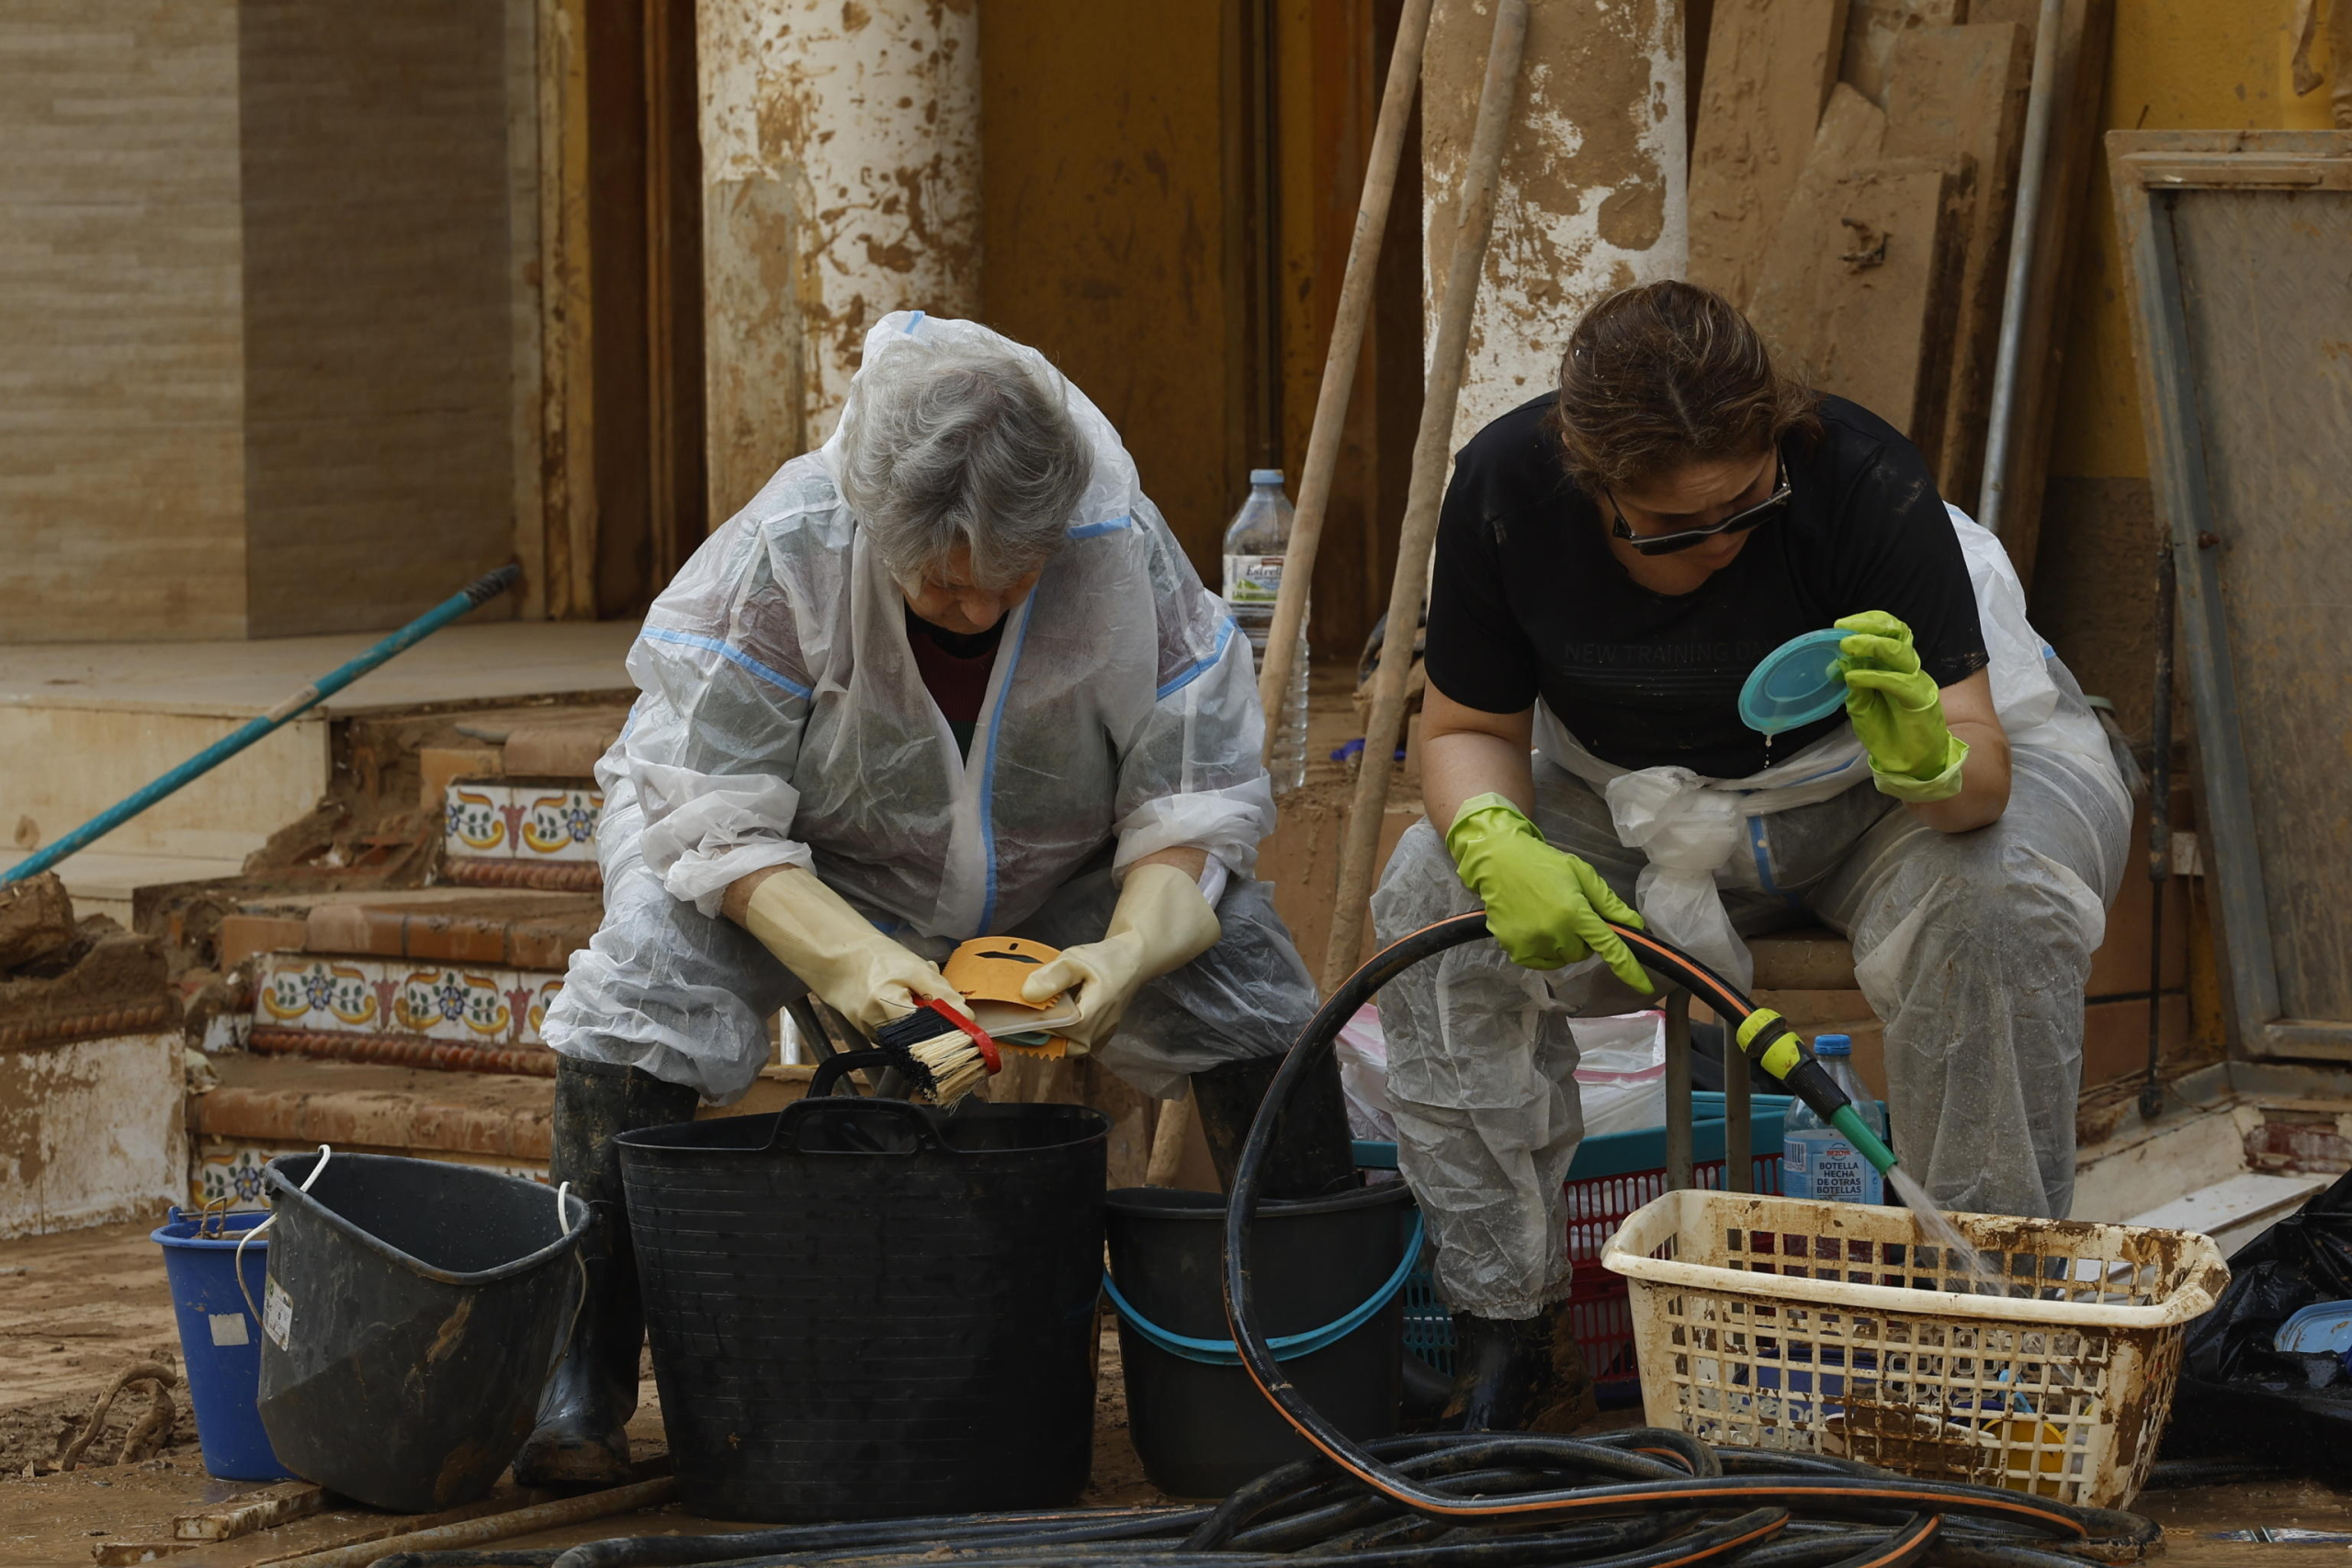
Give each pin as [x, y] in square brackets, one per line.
[1612, 560]
[949, 675]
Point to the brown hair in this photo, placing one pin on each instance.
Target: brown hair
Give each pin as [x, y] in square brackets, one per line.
[1666, 374]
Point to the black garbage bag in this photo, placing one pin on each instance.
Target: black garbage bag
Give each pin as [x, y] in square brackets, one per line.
[2239, 1396]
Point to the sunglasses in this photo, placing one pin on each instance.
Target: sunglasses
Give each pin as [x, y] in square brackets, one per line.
[1682, 539]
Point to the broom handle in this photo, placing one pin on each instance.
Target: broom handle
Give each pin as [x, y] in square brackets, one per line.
[1448, 358]
[481, 590]
[1340, 363]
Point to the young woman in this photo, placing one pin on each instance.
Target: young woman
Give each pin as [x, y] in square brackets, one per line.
[1613, 561]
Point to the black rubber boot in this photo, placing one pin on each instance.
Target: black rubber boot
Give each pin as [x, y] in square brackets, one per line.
[1519, 1374]
[582, 1438]
[1313, 1153]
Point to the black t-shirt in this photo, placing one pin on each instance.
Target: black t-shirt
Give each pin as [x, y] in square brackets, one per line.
[1528, 600]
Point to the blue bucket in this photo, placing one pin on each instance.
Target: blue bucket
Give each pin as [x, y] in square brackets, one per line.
[219, 1341]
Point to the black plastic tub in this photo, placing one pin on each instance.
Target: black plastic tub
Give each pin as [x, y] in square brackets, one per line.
[410, 1316]
[1201, 1429]
[866, 1308]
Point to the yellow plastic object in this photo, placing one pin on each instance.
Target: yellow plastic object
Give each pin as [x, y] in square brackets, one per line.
[991, 968]
[1812, 1326]
[988, 972]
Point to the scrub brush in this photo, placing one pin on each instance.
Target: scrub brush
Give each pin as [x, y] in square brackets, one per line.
[945, 1053]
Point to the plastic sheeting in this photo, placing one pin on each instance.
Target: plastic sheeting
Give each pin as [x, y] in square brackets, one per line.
[1697, 831]
[1973, 948]
[2239, 1395]
[782, 721]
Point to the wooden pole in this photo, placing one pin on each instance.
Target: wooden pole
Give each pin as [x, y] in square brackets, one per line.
[1340, 363]
[1474, 221]
[1168, 1136]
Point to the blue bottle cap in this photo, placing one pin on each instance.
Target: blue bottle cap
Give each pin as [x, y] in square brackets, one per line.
[1798, 681]
[1833, 1045]
[1265, 476]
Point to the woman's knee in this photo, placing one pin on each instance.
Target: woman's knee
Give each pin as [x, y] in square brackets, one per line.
[1418, 885]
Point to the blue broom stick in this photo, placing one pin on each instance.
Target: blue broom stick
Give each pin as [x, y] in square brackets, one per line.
[480, 592]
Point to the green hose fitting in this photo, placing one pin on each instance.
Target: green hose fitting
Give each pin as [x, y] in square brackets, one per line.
[1847, 1120]
[1767, 1038]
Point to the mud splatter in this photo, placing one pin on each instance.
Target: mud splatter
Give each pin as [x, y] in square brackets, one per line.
[1593, 196]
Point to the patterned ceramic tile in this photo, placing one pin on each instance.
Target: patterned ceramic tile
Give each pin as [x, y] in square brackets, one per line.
[472, 1005]
[523, 822]
[475, 823]
[556, 824]
[225, 1167]
[232, 1173]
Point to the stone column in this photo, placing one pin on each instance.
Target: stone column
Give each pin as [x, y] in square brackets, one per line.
[841, 182]
[1593, 194]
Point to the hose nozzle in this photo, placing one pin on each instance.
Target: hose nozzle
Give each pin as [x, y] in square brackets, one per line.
[1765, 1039]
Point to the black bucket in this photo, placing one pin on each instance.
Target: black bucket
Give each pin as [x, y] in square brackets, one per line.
[865, 1309]
[1201, 1426]
[411, 1313]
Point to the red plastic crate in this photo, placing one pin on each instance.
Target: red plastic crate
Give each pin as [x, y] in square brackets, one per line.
[1597, 1304]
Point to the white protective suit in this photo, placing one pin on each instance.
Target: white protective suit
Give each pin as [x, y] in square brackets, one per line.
[782, 721]
[1972, 948]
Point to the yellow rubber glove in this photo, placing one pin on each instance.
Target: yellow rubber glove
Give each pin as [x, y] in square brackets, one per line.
[860, 973]
[1161, 922]
[1896, 711]
[1545, 907]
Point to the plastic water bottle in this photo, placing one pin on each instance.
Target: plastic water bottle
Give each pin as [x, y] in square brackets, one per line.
[1254, 545]
[1816, 1160]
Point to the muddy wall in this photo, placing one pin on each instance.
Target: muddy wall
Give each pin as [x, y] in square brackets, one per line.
[1592, 198]
[841, 169]
[121, 288]
[2176, 64]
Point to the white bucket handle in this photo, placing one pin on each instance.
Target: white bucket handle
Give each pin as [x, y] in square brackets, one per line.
[237, 1265]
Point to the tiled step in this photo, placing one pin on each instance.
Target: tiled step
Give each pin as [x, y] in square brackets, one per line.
[519, 804]
[535, 833]
[266, 1106]
[446, 979]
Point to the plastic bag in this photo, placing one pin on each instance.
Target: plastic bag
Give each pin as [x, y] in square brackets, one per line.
[1620, 1071]
[2238, 1395]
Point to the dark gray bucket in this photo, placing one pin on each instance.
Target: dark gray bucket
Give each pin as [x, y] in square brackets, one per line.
[411, 1313]
[1203, 1429]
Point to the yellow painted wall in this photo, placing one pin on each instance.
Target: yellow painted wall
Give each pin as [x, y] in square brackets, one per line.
[2176, 64]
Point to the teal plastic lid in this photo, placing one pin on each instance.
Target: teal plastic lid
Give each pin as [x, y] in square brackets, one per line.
[1798, 681]
[1833, 1044]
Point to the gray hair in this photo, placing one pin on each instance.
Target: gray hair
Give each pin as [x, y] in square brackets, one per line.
[945, 445]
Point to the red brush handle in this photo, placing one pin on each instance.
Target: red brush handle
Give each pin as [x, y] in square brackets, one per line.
[989, 1054]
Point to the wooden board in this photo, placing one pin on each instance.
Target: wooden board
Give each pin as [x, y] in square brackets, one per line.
[1853, 132]
[1874, 266]
[1956, 93]
[1874, 29]
[2239, 300]
[2084, 31]
[1773, 65]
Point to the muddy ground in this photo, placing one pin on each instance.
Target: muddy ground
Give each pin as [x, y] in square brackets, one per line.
[76, 1309]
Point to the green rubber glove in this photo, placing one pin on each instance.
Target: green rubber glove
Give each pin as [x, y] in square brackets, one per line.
[1896, 711]
[1545, 907]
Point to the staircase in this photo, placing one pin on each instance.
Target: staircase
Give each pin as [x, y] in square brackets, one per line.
[407, 1021]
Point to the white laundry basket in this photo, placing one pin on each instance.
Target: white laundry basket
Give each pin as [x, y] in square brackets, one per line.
[1787, 1323]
